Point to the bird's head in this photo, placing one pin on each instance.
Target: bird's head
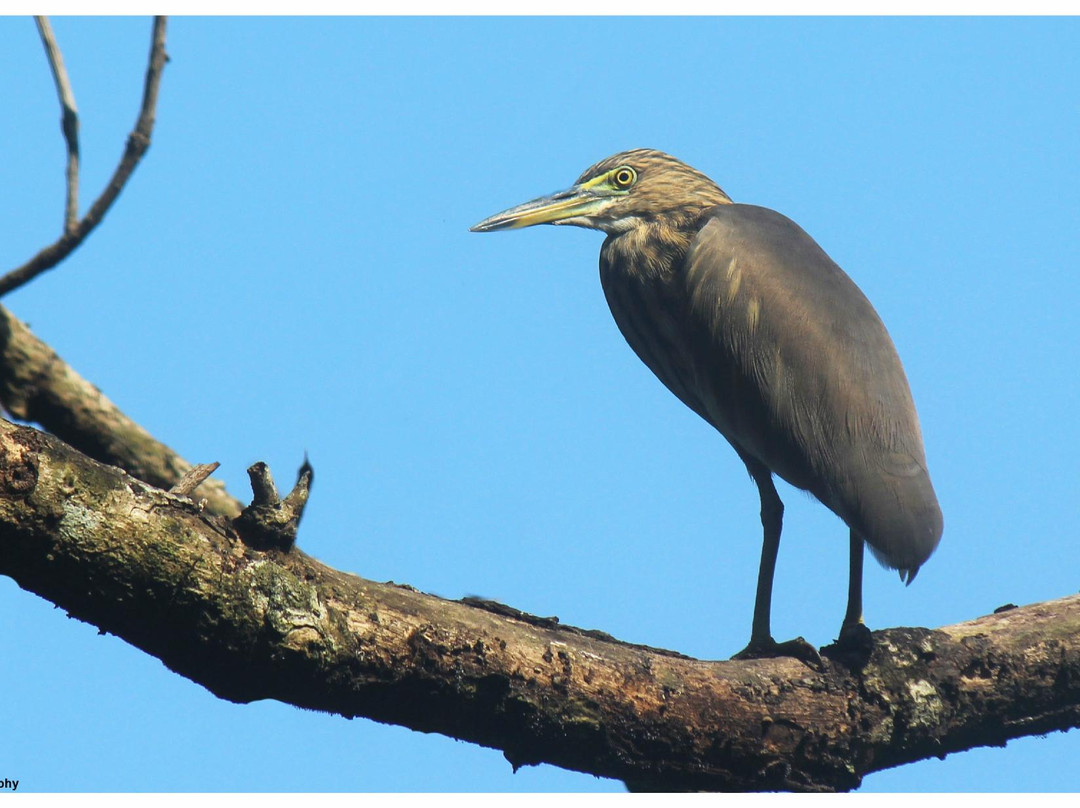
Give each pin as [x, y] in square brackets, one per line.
[618, 194]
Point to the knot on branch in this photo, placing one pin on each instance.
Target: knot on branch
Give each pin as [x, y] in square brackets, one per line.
[137, 144]
[270, 522]
[18, 469]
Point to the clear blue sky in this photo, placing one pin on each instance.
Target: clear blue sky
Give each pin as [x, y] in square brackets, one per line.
[476, 422]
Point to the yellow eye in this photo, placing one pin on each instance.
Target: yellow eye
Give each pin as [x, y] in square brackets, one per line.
[623, 177]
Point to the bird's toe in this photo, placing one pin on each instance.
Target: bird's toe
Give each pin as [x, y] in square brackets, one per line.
[769, 648]
[853, 647]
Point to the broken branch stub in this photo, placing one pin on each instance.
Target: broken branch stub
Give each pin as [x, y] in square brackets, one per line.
[270, 522]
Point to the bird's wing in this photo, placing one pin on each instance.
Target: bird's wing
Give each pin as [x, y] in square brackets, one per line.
[803, 374]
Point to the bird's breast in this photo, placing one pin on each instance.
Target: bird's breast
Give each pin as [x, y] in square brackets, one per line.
[644, 292]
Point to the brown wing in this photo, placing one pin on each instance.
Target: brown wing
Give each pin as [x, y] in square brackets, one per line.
[798, 371]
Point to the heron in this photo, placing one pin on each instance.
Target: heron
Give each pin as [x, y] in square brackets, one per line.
[741, 315]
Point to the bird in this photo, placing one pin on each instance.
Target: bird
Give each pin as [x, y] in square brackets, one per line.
[747, 320]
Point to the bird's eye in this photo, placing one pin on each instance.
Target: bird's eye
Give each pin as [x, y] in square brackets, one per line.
[624, 177]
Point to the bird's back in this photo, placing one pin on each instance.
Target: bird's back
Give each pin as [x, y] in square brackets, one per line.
[757, 330]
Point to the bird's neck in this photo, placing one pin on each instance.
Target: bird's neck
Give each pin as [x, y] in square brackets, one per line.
[652, 249]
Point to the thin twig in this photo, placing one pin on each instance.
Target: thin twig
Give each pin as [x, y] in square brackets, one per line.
[137, 144]
[69, 121]
[193, 479]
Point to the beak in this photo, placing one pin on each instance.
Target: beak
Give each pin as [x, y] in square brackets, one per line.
[573, 203]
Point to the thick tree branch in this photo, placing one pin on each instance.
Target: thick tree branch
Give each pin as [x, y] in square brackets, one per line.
[137, 144]
[37, 386]
[149, 567]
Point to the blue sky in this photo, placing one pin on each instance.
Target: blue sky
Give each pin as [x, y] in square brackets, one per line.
[476, 422]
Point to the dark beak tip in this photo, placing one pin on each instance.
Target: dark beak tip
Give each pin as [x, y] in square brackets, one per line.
[487, 225]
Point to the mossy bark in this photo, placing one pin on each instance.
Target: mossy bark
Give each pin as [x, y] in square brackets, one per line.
[168, 577]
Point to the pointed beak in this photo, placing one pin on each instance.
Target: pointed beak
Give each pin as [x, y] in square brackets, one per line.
[560, 208]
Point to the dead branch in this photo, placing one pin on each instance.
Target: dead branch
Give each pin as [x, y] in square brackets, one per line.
[232, 605]
[137, 144]
[37, 386]
[271, 522]
[152, 569]
[69, 120]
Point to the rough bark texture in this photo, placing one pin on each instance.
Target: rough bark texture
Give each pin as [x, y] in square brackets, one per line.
[148, 566]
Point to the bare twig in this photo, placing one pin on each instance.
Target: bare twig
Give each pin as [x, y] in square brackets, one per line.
[193, 479]
[137, 144]
[69, 121]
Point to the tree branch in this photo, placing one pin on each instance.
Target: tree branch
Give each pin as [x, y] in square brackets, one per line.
[37, 386]
[228, 602]
[137, 144]
[149, 567]
[69, 120]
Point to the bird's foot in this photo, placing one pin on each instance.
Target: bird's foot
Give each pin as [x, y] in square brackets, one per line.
[769, 648]
[853, 647]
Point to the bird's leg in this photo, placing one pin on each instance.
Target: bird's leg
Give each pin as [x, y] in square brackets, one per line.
[853, 616]
[772, 523]
[855, 643]
[772, 519]
[854, 635]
